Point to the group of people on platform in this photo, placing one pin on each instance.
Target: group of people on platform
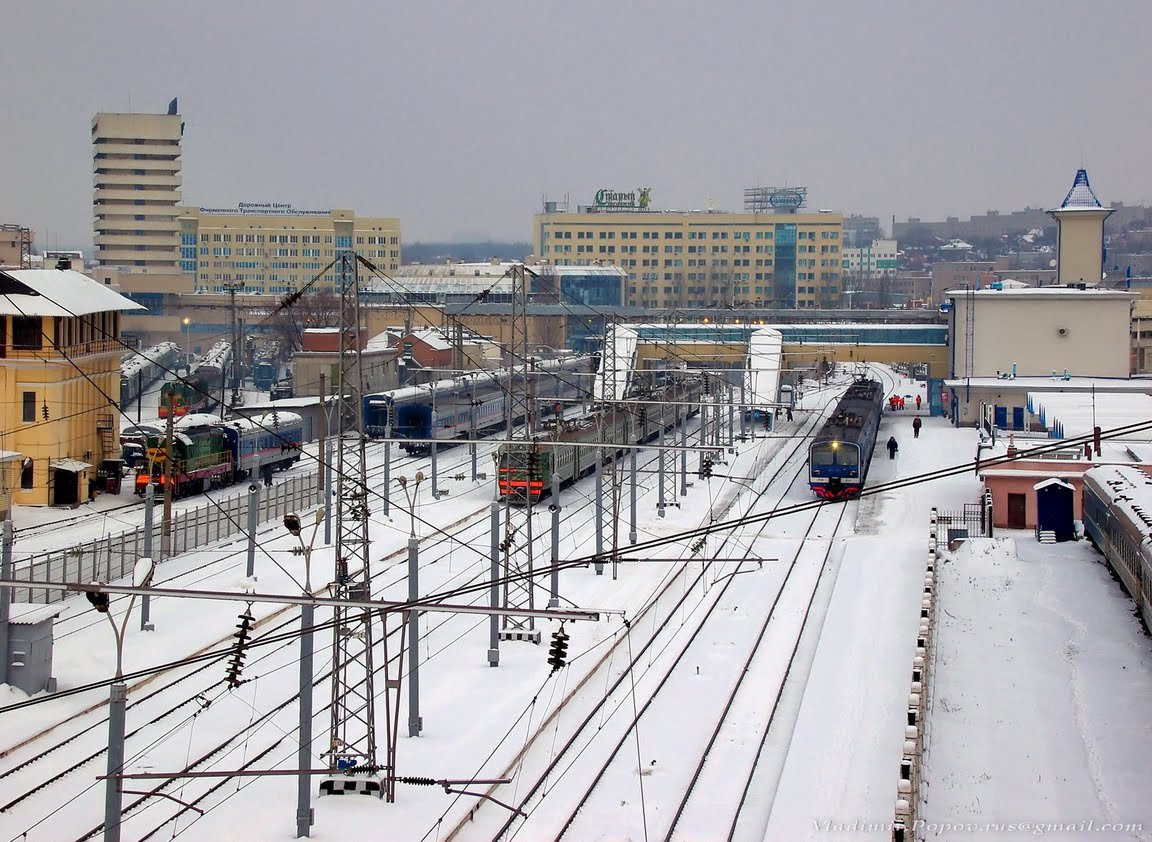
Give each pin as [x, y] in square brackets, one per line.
[897, 402]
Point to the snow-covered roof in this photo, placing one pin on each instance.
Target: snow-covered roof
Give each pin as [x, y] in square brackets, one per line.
[1076, 414]
[30, 613]
[60, 292]
[1081, 195]
[1132, 490]
[196, 419]
[1054, 384]
[433, 338]
[1053, 481]
[1041, 292]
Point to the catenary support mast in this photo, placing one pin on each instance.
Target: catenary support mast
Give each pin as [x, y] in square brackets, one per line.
[353, 731]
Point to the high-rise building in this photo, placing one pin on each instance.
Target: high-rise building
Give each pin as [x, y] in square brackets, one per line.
[266, 247]
[136, 173]
[700, 258]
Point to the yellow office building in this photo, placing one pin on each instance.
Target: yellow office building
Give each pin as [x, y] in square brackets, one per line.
[59, 381]
[275, 248]
[700, 258]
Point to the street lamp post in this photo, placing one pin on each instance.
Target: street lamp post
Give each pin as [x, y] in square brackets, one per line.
[187, 339]
[117, 697]
[307, 618]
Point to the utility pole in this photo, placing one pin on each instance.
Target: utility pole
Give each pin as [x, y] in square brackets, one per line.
[166, 521]
[149, 518]
[323, 436]
[5, 595]
[236, 352]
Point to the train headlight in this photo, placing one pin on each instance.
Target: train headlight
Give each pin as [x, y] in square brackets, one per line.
[835, 445]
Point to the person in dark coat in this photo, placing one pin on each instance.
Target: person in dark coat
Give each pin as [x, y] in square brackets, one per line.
[892, 447]
[916, 427]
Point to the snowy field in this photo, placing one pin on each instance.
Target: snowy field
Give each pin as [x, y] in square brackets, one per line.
[769, 669]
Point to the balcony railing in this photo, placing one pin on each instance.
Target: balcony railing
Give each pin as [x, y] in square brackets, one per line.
[48, 350]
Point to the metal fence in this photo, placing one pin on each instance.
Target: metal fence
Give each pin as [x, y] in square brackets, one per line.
[111, 557]
[974, 520]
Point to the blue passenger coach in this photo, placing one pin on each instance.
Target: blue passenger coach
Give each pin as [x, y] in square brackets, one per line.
[839, 455]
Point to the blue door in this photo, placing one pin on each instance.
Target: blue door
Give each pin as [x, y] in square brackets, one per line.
[1000, 419]
[1017, 418]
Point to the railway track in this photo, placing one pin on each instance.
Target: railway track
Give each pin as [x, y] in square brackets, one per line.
[84, 727]
[211, 786]
[675, 602]
[476, 518]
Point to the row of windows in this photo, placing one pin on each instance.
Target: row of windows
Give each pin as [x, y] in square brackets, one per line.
[189, 252]
[287, 239]
[761, 234]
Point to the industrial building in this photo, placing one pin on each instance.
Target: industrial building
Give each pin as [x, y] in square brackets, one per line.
[770, 255]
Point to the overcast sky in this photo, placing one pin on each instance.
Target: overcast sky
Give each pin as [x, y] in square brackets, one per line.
[458, 117]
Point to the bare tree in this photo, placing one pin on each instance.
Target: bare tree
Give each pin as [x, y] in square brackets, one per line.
[319, 308]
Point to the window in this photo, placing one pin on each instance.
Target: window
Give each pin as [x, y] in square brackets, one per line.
[28, 406]
[26, 473]
[26, 332]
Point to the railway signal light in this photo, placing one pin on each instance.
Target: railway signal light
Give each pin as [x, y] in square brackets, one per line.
[558, 651]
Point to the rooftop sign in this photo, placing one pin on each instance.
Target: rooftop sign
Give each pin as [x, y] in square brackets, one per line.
[769, 199]
[266, 209]
[616, 200]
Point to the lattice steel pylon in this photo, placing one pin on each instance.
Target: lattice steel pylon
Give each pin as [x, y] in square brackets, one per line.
[352, 745]
[516, 546]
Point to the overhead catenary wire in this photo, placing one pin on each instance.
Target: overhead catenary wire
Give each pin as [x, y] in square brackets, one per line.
[584, 561]
[318, 457]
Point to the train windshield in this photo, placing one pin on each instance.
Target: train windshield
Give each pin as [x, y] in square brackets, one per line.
[825, 454]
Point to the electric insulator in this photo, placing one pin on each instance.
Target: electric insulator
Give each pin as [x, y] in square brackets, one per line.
[236, 664]
[558, 651]
[44, 410]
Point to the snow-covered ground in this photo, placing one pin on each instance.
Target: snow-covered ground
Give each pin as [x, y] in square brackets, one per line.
[830, 759]
[1042, 705]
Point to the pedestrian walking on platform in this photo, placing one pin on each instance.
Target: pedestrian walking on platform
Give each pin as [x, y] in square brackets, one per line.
[892, 447]
[917, 401]
[916, 427]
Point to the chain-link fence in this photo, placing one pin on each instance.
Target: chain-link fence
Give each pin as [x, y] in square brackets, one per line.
[111, 557]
